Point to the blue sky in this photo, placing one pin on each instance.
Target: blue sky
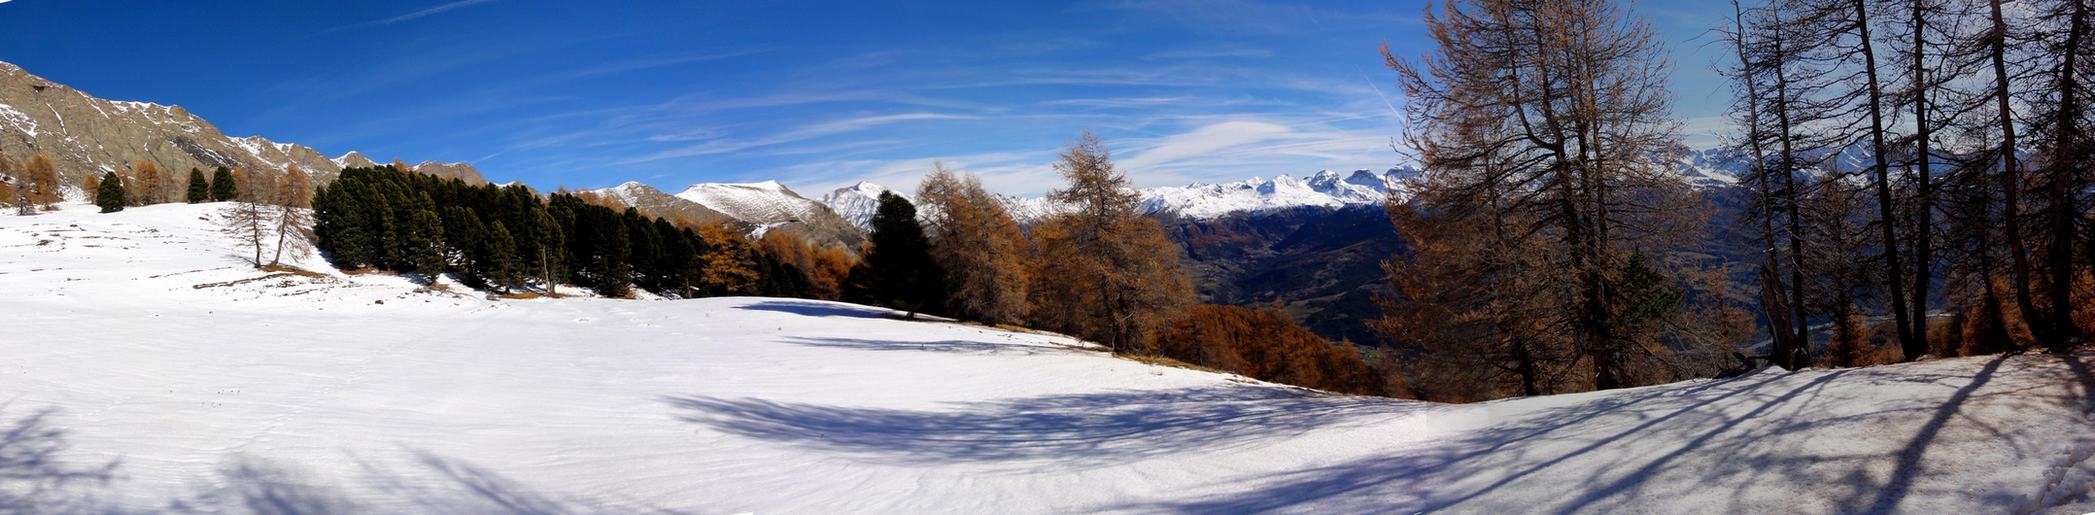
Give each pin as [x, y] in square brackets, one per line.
[816, 95]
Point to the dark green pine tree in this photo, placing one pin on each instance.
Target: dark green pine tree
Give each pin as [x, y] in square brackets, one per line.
[221, 184]
[898, 271]
[199, 189]
[462, 246]
[110, 195]
[614, 276]
[499, 249]
[422, 240]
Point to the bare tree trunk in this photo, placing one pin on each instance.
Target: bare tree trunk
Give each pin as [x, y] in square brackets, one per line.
[2061, 187]
[1924, 229]
[546, 266]
[2011, 182]
[1799, 315]
[1895, 269]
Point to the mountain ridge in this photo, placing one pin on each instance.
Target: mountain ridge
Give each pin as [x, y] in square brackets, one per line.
[82, 134]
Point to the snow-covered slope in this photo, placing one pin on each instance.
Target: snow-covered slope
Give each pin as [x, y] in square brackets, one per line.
[1323, 189]
[765, 202]
[767, 206]
[1199, 200]
[856, 203]
[148, 369]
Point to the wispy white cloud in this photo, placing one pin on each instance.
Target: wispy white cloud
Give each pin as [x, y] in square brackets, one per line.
[660, 61]
[1205, 140]
[1209, 53]
[438, 9]
[711, 145]
[1019, 172]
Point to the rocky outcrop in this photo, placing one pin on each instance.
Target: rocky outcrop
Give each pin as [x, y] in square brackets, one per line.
[85, 135]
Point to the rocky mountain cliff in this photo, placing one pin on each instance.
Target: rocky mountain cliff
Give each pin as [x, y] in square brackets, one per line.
[85, 135]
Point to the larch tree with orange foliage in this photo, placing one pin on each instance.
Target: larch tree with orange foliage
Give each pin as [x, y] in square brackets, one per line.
[144, 184]
[1267, 344]
[979, 246]
[292, 216]
[726, 264]
[1105, 272]
[825, 267]
[43, 182]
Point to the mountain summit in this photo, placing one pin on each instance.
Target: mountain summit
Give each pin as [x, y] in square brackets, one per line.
[82, 135]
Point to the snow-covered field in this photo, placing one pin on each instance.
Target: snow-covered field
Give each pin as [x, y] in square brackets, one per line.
[143, 368]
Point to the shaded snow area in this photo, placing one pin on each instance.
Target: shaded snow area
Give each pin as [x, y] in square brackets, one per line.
[145, 368]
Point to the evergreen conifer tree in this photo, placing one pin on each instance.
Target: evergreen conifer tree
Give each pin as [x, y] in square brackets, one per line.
[501, 259]
[898, 271]
[222, 187]
[199, 189]
[109, 195]
[422, 240]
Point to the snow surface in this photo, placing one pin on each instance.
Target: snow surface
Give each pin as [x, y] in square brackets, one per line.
[149, 369]
[18, 120]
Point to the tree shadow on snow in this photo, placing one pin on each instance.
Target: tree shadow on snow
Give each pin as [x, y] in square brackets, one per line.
[35, 477]
[263, 487]
[817, 309]
[1752, 424]
[38, 475]
[432, 483]
[949, 346]
[1125, 425]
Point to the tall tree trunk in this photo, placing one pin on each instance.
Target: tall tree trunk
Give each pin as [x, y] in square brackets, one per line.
[1778, 311]
[2062, 188]
[1895, 269]
[1924, 229]
[2011, 183]
[1787, 164]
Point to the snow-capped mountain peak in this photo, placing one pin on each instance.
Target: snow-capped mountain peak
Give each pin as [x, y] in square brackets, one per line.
[1326, 188]
[766, 202]
[856, 203]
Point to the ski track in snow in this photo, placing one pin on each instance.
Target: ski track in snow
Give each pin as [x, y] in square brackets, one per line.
[147, 370]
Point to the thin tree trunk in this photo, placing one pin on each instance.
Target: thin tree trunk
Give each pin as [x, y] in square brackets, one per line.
[1799, 316]
[2011, 185]
[1771, 269]
[2061, 169]
[1924, 230]
[1895, 267]
[281, 232]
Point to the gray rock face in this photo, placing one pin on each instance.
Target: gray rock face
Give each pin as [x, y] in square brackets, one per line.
[85, 135]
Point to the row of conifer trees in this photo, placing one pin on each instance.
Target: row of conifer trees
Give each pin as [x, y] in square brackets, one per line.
[505, 238]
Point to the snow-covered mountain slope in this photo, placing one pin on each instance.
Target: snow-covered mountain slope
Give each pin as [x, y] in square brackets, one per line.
[656, 203]
[778, 211]
[1324, 189]
[765, 202]
[1714, 168]
[762, 207]
[856, 203]
[149, 370]
[1199, 200]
